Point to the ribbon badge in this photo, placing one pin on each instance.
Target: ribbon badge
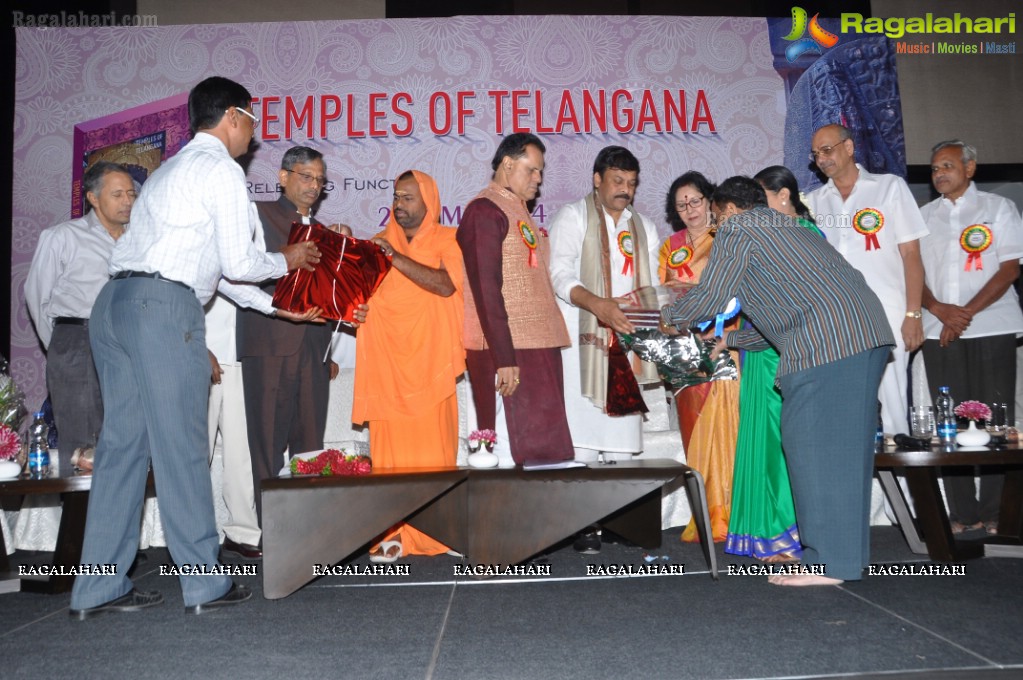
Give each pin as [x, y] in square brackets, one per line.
[625, 248]
[679, 259]
[730, 311]
[868, 222]
[529, 238]
[975, 239]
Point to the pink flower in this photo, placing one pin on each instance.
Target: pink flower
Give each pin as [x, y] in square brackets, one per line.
[488, 436]
[10, 443]
[973, 410]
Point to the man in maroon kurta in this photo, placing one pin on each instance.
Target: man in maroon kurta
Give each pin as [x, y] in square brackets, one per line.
[513, 329]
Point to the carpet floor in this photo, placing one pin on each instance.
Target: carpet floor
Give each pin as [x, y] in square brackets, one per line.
[573, 618]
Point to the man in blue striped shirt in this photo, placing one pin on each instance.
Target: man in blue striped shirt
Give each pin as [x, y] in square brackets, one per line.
[833, 338]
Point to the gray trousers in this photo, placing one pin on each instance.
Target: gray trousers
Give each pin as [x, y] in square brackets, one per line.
[828, 423]
[149, 343]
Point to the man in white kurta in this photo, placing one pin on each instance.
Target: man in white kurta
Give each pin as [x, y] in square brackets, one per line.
[973, 315]
[226, 415]
[874, 222]
[615, 178]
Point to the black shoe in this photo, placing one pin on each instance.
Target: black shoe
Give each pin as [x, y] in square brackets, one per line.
[131, 602]
[236, 595]
[587, 542]
[612, 538]
[249, 552]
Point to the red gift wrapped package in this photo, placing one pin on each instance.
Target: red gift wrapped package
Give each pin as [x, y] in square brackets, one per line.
[349, 270]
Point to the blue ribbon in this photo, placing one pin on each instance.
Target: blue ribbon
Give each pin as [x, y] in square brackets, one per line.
[731, 310]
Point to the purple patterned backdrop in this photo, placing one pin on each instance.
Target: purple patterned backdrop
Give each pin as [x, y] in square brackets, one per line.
[330, 75]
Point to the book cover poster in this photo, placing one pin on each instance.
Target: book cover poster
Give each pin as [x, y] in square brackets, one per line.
[141, 138]
[141, 156]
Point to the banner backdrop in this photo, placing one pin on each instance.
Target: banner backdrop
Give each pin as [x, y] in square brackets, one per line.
[383, 96]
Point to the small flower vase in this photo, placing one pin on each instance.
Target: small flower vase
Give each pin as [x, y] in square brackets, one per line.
[481, 455]
[972, 436]
[9, 469]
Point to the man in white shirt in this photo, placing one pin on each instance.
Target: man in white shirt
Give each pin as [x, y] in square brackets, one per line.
[226, 415]
[68, 271]
[972, 312]
[192, 224]
[873, 221]
[600, 241]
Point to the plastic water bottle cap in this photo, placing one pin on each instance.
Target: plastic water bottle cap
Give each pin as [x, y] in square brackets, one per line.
[39, 414]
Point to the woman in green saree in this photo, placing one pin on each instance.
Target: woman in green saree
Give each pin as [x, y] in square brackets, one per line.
[763, 519]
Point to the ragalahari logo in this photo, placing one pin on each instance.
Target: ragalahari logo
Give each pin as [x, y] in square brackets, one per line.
[818, 41]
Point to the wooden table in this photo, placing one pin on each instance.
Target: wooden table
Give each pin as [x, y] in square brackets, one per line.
[931, 531]
[495, 516]
[74, 496]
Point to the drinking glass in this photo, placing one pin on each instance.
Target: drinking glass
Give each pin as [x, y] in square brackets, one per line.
[921, 422]
[996, 424]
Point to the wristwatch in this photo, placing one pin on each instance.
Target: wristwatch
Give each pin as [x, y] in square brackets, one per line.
[915, 314]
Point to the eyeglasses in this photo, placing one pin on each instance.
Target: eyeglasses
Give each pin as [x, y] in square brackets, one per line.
[691, 203]
[308, 179]
[255, 119]
[825, 151]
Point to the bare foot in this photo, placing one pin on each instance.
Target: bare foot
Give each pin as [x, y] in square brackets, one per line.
[803, 580]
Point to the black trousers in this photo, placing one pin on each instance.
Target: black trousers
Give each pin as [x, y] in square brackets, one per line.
[74, 390]
[285, 408]
[982, 369]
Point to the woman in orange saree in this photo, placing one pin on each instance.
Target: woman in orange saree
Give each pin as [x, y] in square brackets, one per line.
[708, 414]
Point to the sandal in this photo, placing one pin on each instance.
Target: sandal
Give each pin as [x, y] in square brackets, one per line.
[389, 551]
[82, 458]
[960, 528]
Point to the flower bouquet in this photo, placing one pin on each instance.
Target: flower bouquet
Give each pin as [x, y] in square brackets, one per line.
[10, 443]
[10, 449]
[332, 462]
[973, 410]
[482, 439]
[12, 415]
[972, 436]
[12, 401]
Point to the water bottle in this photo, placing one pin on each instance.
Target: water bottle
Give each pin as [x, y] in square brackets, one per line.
[946, 418]
[38, 450]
